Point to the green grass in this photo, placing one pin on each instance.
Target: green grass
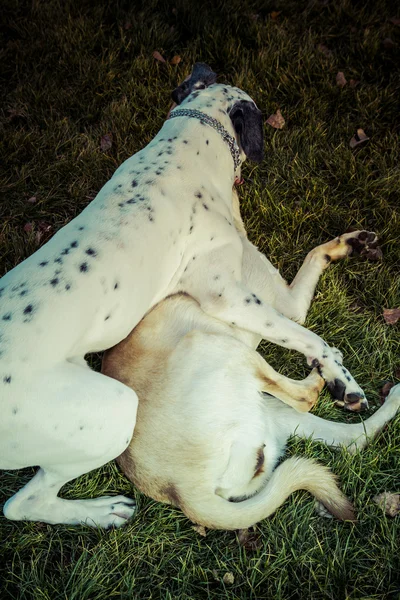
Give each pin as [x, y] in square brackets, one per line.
[74, 71]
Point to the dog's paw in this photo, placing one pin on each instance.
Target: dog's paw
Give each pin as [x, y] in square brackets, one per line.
[354, 401]
[360, 242]
[108, 511]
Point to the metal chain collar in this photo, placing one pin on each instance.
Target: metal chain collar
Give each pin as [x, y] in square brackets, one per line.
[207, 120]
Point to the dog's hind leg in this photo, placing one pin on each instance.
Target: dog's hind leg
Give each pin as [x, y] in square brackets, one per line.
[73, 420]
[354, 436]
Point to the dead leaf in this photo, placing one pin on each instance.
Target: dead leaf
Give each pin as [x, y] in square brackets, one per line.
[28, 227]
[324, 50]
[175, 60]
[276, 121]
[383, 394]
[228, 579]
[249, 540]
[372, 253]
[341, 79]
[106, 142]
[200, 529]
[31, 200]
[158, 56]
[353, 83]
[275, 14]
[359, 138]
[388, 43]
[395, 20]
[389, 501]
[391, 315]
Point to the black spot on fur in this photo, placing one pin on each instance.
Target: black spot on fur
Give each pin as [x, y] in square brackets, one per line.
[65, 251]
[205, 206]
[284, 340]
[68, 287]
[14, 411]
[54, 281]
[134, 183]
[28, 309]
[23, 293]
[107, 317]
[207, 142]
[58, 260]
[83, 267]
[74, 244]
[116, 286]
[91, 252]
[7, 379]
[43, 263]
[131, 201]
[198, 195]
[7, 317]
[81, 228]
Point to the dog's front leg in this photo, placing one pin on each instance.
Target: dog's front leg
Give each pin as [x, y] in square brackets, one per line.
[233, 302]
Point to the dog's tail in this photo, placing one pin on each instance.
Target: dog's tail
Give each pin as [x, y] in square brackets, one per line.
[293, 474]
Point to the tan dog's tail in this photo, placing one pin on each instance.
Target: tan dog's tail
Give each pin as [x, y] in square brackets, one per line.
[293, 474]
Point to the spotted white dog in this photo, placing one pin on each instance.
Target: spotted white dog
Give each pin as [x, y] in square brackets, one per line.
[162, 224]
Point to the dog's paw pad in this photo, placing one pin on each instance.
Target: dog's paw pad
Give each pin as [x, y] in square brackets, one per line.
[362, 241]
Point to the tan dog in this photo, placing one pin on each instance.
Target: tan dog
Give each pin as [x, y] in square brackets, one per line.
[207, 437]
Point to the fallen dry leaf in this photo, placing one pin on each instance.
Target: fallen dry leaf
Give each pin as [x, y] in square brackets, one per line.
[275, 14]
[175, 60]
[391, 315]
[276, 121]
[383, 394]
[228, 579]
[341, 79]
[388, 43]
[158, 56]
[31, 200]
[106, 142]
[389, 501]
[249, 540]
[324, 50]
[353, 83]
[359, 138]
[372, 253]
[395, 20]
[200, 529]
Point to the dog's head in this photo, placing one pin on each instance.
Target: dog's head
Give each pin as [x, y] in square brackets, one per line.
[246, 118]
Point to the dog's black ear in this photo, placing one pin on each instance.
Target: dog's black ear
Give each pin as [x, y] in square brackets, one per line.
[247, 121]
[201, 77]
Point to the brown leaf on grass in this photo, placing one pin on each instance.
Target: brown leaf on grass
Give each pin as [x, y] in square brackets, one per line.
[395, 20]
[359, 138]
[175, 60]
[324, 50]
[388, 43]
[383, 394]
[372, 253]
[106, 142]
[31, 200]
[275, 14]
[158, 56]
[389, 501]
[391, 315]
[276, 121]
[353, 83]
[341, 79]
[200, 529]
[228, 579]
[249, 540]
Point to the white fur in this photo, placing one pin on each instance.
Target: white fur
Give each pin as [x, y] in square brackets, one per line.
[163, 223]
